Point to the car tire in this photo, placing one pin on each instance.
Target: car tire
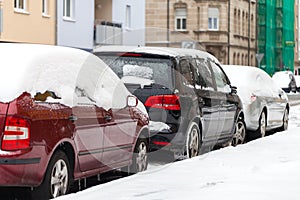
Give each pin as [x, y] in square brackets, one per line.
[140, 156]
[239, 136]
[285, 120]
[193, 144]
[262, 125]
[57, 178]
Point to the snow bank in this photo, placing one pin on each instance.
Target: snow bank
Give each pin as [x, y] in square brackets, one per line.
[264, 169]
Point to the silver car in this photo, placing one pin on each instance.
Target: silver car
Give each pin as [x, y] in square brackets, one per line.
[265, 104]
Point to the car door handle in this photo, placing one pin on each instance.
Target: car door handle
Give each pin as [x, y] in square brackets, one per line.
[107, 118]
[72, 118]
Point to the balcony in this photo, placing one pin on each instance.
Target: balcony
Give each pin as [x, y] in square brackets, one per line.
[108, 33]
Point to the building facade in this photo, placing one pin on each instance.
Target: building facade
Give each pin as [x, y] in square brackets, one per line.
[75, 23]
[120, 22]
[225, 28]
[28, 21]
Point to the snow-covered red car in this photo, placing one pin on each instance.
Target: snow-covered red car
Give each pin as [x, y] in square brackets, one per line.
[65, 116]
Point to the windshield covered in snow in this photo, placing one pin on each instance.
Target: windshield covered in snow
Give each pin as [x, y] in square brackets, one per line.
[141, 70]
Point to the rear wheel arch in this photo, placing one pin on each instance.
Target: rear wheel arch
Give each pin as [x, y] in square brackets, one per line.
[197, 120]
[265, 110]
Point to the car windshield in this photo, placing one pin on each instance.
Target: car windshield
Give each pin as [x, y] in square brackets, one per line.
[141, 70]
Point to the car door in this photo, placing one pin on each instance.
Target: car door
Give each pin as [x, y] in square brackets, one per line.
[119, 136]
[274, 98]
[89, 130]
[226, 100]
[188, 98]
[207, 98]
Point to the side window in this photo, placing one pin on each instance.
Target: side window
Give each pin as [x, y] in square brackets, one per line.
[205, 80]
[221, 80]
[186, 72]
[82, 97]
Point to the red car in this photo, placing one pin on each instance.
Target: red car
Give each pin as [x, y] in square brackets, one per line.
[65, 116]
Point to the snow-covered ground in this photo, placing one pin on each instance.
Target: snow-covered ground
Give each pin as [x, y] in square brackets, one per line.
[267, 168]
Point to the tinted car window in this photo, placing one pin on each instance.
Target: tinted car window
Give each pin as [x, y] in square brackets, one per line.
[156, 70]
[221, 80]
[204, 74]
[186, 72]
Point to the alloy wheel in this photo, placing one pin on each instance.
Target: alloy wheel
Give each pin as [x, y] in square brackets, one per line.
[59, 178]
[262, 125]
[193, 142]
[142, 157]
[285, 120]
[239, 133]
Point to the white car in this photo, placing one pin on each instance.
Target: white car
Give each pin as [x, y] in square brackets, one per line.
[286, 80]
[265, 104]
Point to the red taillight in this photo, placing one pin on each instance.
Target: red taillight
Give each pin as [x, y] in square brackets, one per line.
[167, 102]
[253, 98]
[130, 54]
[16, 134]
[161, 143]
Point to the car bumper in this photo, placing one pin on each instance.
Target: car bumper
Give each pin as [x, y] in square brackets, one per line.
[174, 142]
[21, 168]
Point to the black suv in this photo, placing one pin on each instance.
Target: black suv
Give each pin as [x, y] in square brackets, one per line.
[190, 101]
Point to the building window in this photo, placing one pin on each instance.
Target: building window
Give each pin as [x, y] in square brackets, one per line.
[68, 8]
[213, 18]
[239, 22]
[45, 7]
[235, 21]
[180, 19]
[234, 57]
[20, 5]
[128, 17]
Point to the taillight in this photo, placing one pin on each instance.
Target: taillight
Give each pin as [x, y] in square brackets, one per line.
[160, 143]
[16, 134]
[253, 98]
[166, 102]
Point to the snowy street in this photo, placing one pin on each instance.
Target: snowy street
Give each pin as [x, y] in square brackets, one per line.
[266, 168]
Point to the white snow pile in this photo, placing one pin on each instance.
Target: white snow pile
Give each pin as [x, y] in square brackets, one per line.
[39, 68]
[138, 71]
[264, 169]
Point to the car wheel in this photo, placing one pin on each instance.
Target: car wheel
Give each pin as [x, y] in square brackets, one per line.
[239, 136]
[140, 156]
[193, 141]
[285, 120]
[57, 178]
[262, 125]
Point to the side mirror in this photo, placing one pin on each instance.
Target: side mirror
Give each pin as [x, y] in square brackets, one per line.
[233, 89]
[132, 101]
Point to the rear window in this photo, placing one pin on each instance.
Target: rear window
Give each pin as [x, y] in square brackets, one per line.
[141, 70]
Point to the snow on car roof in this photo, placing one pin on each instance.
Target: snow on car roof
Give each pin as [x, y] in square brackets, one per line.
[282, 78]
[251, 80]
[167, 51]
[38, 68]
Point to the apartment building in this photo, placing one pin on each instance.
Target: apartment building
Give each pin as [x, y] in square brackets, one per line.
[120, 22]
[225, 28]
[28, 21]
[75, 23]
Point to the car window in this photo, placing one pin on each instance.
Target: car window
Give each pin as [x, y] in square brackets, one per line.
[44, 96]
[137, 69]
[186, 72]
[82, 97]
[220, 77]
[205, 80]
